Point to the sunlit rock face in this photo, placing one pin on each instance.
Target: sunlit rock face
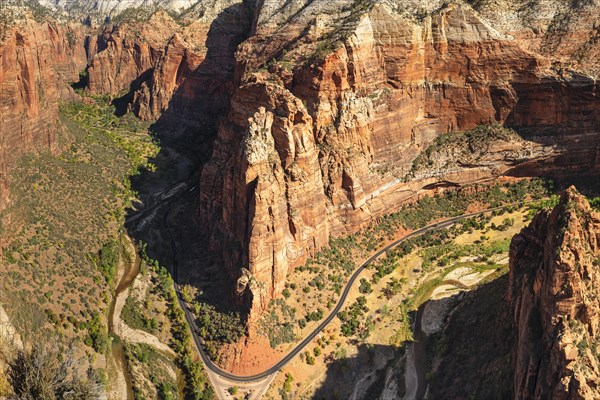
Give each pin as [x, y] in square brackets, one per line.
[107, 8]
[554, 281]
[321, 107]
[37, 61]
[347, 97]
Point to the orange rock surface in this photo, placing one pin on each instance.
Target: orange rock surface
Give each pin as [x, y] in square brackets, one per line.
[554, 280]
[330, 114]
[37, 61]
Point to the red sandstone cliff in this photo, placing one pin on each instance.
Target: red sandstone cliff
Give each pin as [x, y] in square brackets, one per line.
[37, 62]
[331, 111]
[167, 68]
[554, 281]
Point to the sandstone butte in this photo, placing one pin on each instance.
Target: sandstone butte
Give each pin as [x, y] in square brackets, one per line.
[553, 293]
[318, 108]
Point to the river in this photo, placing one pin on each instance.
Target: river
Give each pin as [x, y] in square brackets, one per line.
[131, 265]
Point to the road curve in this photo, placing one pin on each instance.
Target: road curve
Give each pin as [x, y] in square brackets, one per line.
[300, 346]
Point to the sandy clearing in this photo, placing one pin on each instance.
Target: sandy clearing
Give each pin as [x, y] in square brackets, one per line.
[118, 383]
[444, 291]
[131, 335]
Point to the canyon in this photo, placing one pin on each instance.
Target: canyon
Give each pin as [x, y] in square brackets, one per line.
[321, 117]
[37, 61]
[317, 120]
[330, 112]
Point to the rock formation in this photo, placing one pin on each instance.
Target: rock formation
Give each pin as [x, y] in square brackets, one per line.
[107, 9]
[554, 281]
[321, 107]
[37, 61]
[169, 69]
[335, 101]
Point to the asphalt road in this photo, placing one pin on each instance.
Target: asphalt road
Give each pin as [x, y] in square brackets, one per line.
[296, 350]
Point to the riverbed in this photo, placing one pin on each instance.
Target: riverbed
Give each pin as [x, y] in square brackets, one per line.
[129, 264]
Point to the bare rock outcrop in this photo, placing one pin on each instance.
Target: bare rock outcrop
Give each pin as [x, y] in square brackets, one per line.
[554, 281]
[37, 62]
[182, 70]
[355, 94]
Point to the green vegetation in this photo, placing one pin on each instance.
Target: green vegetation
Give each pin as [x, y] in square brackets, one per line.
[365, 286]
[67, 214]
[543, 204]
[108, 259]
[97, 336]
[317, 351]
[277, 331]
[233, 390]
[310, 360]
[217, 327]
[197, 385]
[134, 316]
[468, 144]
[287, 385]
[151, 368]
[351, 319]
[127, 133]
[329, 270]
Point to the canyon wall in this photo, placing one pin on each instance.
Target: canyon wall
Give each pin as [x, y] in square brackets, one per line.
[333, 107]
[553, 294]
[321, 107]
[37, 62]
[176, 71]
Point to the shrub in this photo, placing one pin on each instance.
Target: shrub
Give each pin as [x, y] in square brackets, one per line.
[365, 286]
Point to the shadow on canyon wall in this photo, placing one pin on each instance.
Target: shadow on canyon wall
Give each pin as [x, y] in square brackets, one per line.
[167, 220]
[557, 113]
[469, 358]
[548, 111]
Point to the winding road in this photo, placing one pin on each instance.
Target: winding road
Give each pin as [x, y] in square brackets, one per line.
[212, 367]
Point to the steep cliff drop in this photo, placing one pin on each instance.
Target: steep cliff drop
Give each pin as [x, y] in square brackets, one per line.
[335, 101]
[37, 61]
[554, 286]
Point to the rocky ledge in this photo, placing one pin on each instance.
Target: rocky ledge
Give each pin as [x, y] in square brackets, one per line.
[553, 293]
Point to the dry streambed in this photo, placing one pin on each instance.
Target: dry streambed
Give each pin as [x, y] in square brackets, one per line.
[128, 270]
[430, 319]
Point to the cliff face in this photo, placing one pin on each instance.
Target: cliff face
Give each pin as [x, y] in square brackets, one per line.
[37, 61]
[331, 111]
[565, 31]
[169, 69]
[554, 281]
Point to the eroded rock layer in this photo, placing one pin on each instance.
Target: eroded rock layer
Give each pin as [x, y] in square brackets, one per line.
[164, 68]
[554, 281]
[331, 111]
[37, 61]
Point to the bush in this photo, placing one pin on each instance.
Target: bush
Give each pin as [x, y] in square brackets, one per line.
[365, 286]
[310, 360]
[287, 385]
[97, 337]
[108, 260]
[315, 315]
